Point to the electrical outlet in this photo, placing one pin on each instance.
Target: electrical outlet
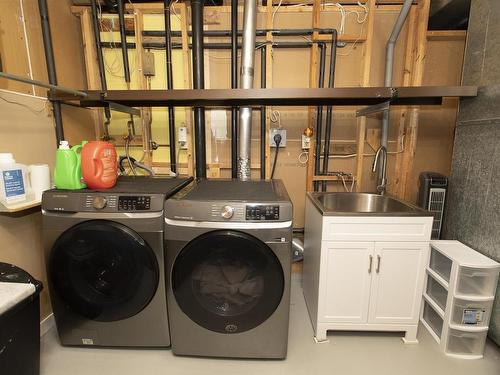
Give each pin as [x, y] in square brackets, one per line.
[182, 137]
[306, 142]
[273, 132]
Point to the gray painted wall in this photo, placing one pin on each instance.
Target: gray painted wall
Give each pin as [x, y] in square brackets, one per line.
[473, 208]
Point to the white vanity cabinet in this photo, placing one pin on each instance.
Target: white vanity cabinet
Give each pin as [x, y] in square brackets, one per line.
[372, 284]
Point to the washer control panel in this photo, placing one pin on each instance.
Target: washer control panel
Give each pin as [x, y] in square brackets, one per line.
[262, 212]
[227, 212]
[100, 202]
[134, 203]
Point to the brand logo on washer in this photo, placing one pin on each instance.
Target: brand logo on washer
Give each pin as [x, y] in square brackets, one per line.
[231, 328]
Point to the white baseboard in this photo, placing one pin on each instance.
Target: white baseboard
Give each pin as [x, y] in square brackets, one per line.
[47, 324]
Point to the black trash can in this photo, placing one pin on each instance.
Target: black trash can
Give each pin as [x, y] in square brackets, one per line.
[19, 322]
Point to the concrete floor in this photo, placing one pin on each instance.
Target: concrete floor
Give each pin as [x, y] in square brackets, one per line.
[345, 353]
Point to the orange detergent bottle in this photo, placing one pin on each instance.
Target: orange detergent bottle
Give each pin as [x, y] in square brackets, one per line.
[99, 165]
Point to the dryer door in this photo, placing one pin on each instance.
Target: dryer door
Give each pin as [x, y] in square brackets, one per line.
[227, 281]
[103, 270]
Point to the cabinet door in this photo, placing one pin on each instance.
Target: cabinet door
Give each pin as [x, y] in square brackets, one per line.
[397, 283]
[345, 281]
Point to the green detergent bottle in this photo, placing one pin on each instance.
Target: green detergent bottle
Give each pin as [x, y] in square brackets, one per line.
[68, 171]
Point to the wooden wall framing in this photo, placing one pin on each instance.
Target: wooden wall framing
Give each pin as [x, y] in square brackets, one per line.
[414, 64]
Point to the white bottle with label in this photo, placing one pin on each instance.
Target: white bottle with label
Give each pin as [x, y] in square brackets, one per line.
[14, 182]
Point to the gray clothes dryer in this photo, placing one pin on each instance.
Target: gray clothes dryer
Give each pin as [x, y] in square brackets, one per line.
[105, 262]
[228, 259]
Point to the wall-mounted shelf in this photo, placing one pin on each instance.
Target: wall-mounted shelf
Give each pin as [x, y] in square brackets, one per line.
[344, 96]
[19, 207]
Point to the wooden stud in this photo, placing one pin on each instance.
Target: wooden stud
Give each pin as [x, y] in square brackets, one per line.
[421, 47]
[92, 67]
[447, 35]
[146, 115]
[402, 189]
[365, 82]
[373, 138]
[269, 80]
[395, 186]
[187, 84]
[214, 170]
[313, 82]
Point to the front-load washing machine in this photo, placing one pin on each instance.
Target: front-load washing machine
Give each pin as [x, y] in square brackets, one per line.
[228, 260]
[105, 262]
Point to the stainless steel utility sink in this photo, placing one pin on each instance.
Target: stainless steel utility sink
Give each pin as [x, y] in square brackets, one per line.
[363, 204]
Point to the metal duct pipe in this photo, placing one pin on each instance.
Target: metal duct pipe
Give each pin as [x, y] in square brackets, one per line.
[247, 73]
[51, 66]
[297, 249]
[329, 109]
[263, 51]
[199, 83]
[319, 113]
[234, 85]
[170, 85]
[123, 39]
[389, 62]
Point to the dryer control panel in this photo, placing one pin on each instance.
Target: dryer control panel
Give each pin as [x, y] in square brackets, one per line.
[134, 203]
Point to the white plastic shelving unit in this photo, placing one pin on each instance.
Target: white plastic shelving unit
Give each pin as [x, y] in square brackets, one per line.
[458, 298]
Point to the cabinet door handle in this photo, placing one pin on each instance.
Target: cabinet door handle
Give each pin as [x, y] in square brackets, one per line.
[370, 266]
[378, 263]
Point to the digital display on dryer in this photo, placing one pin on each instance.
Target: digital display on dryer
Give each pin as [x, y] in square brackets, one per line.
[134, 203]
[262, 212]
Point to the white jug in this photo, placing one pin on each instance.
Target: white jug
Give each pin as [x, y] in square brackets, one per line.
[15, 186]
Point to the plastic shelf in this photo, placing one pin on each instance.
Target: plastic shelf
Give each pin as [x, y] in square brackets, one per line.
[432, 319]
[471, 313]
[440, 264]
[476, 282]
[436, 292]
[466, 344]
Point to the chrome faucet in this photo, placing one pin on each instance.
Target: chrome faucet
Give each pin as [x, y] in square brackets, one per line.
[383, 175]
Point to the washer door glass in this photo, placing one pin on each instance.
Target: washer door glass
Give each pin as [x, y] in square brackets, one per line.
[103, 270]
[227, 281]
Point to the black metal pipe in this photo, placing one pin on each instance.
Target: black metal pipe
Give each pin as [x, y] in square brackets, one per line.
[51, 66]
[328, 125]
[198, 83]
[234, 85]
[100, 59]
[170, 85]
[216, 46]
[263, 115]
[229, 33]
[319, 113]
[123, 38]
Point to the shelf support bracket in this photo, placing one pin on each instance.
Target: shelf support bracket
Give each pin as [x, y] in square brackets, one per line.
[377, 108]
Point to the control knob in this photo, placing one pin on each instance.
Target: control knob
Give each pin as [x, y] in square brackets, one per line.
[99, 203]
[227, 212]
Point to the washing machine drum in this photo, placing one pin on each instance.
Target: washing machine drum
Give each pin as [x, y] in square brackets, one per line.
[103, 270]
[227, 281]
